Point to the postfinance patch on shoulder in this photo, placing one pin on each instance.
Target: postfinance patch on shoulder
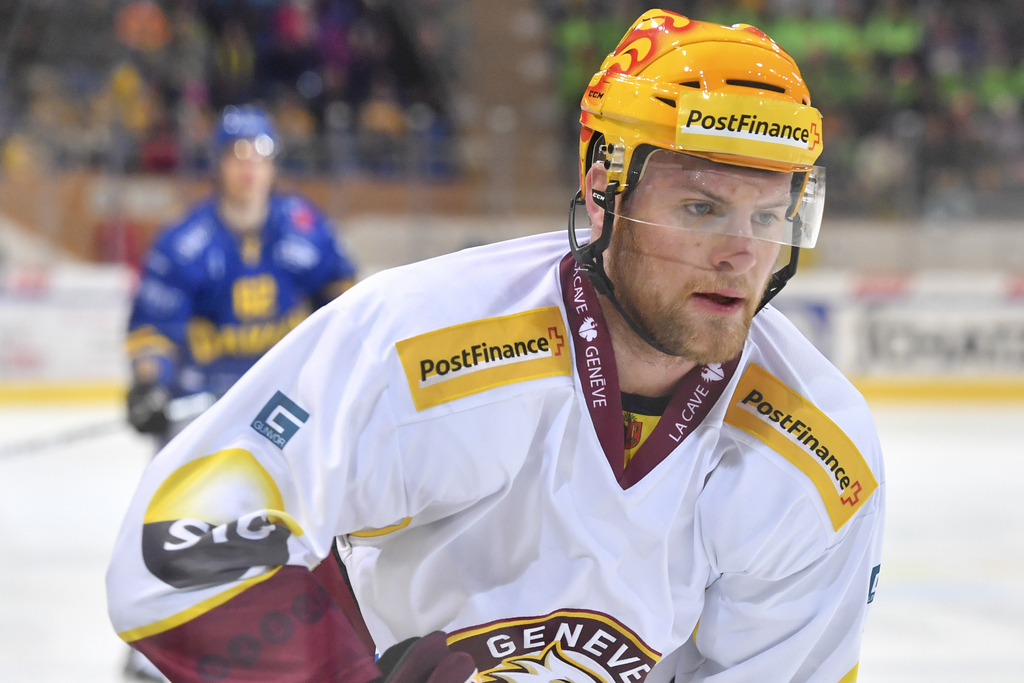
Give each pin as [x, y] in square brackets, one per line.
[794, 428]
[465, 359]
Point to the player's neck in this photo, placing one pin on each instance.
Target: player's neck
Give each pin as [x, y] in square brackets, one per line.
[642, 370]
[243, 216]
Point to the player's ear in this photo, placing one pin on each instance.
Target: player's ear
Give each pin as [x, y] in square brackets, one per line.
[596, 179]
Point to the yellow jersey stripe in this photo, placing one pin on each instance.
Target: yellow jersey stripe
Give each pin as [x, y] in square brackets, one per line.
[191, 613]
[373, 533]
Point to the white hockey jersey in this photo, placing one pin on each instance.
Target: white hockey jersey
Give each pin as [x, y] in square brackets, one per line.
[451, 425]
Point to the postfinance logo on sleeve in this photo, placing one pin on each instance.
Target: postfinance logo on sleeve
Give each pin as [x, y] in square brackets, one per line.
[465, 359]
[794, 428]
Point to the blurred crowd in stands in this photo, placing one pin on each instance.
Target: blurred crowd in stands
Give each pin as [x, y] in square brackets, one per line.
[136, 85]
[921, 99]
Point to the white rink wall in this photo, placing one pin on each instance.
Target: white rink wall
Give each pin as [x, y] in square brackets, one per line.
[925, 324]
[63, 325]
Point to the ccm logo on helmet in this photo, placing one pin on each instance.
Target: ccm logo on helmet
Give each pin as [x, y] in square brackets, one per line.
[748, 123]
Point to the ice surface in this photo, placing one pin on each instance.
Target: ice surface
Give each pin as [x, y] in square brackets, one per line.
[60, 511]
[949, 605]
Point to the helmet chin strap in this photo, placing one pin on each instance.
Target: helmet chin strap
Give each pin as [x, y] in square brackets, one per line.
[590, 258]
[780, 277]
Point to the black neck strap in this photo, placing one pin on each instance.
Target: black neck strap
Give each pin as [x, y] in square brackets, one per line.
[590, 258]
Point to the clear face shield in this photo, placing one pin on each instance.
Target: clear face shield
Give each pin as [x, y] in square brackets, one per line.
[683, 192]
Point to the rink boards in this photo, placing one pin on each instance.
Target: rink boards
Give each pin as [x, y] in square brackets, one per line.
[947, 334]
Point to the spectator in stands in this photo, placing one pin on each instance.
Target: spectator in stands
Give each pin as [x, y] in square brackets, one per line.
[333, 43]
[294, 52]
[382, 123]
[297, 128]
[235, 65]
[189, 50]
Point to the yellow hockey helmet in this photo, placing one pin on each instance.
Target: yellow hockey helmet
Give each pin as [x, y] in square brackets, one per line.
[725, 93]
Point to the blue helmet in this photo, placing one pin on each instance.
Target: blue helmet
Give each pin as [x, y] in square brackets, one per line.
[246, 123]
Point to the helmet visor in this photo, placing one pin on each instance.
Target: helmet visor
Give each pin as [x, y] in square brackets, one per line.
[680, 191]
[260, 147]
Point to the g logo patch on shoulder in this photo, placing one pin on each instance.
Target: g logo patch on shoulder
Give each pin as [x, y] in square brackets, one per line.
[465, 359]
[279, 420]
[797, 430]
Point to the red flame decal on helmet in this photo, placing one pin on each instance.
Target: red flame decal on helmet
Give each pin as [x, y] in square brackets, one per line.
[654, 32]
[753, 29]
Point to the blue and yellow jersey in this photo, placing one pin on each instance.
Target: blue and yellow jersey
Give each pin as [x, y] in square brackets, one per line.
[210, 303]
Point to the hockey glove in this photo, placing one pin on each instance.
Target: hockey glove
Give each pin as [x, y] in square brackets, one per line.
[147, 408]
[426, 660]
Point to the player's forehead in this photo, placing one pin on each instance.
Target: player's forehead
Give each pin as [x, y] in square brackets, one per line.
[675, 173]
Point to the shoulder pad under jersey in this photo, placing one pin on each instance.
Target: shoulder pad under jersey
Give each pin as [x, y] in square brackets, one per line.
[766, 408]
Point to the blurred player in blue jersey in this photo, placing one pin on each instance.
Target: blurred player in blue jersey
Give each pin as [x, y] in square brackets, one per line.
[219, 289]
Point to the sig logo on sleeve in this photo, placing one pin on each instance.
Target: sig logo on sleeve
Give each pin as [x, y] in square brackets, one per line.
[216, 519]
[279, 420]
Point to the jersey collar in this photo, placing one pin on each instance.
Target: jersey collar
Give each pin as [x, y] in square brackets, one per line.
[695, 395]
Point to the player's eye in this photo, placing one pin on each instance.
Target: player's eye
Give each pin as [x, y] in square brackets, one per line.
[699, 208]
[765, 219]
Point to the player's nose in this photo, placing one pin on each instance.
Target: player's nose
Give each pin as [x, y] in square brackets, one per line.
[732, 253]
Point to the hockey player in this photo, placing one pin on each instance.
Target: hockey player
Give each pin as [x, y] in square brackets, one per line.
[218, 290]
[453, 432]
[235, 276]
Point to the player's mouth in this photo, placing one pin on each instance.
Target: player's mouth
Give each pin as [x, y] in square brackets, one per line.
[723, 301]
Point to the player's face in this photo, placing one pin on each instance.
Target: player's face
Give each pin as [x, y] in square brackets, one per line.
[683, 257]
[245, 177]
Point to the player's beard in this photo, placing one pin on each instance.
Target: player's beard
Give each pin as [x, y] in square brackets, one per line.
[669, 316]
